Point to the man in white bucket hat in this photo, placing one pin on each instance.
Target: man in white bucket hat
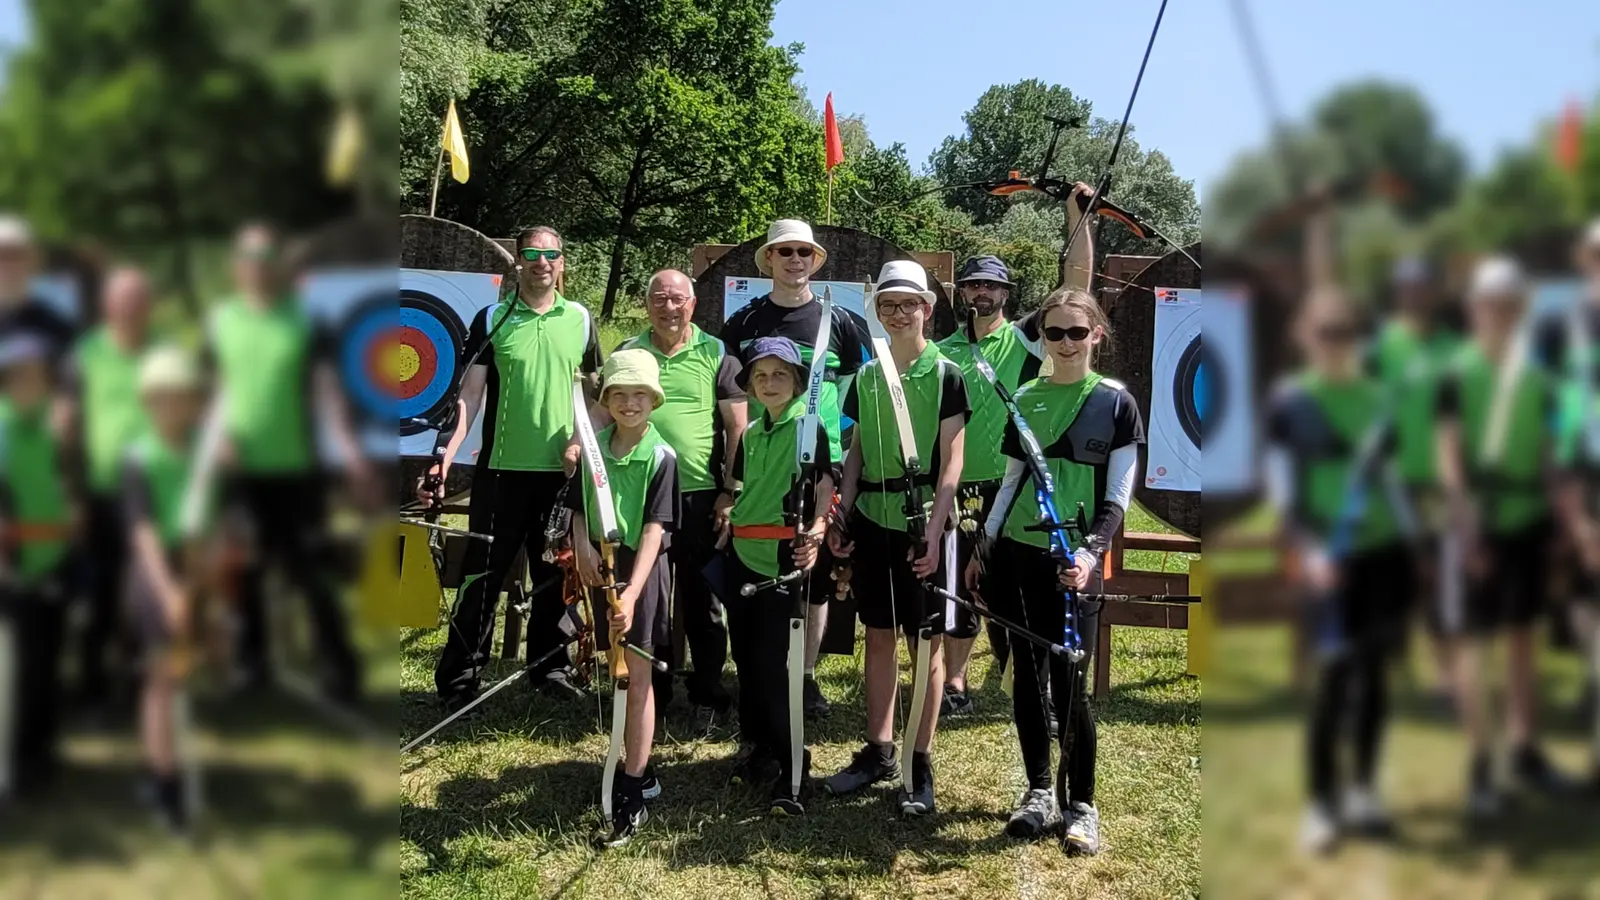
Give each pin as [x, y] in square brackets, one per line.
[790, 256]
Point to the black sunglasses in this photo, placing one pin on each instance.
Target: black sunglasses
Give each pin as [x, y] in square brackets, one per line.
[1076, 333]
[532, 253]
[802, 252]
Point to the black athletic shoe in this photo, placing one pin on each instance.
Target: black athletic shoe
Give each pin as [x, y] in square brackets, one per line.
[628, 812]
[872, 764]
[784, 802]
[1533, 771]
[920, 801]
[456, 702]
[815, 705]
[754, 766]
[955, 703]
[560, 681]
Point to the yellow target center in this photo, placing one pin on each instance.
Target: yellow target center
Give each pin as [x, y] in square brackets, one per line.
[401, 362]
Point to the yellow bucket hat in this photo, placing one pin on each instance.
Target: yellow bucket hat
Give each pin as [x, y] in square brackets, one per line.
[168, 368]
[632, 368]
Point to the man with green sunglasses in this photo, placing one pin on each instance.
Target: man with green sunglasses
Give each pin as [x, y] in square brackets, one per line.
[522, 383]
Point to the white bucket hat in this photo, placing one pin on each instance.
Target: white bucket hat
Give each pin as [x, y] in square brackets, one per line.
[1591, 236]
[790, 231]
[904, 276]
[1497, 276]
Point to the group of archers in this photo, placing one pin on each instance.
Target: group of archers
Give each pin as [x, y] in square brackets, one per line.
[703, 441]
[110, 525]
[1478, 452]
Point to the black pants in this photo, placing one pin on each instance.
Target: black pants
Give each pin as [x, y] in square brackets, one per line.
[1351, 705]
[514, 507]
[107, 542]
[37, 625]
[289, 520]
[759, 628]
[705, 624]
[1022, 586]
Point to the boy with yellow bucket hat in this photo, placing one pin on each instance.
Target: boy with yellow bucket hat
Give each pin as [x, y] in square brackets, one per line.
[643, 474]
[156, 484]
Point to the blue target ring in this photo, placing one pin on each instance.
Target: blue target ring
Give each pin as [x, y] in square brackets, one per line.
[443, 373]
[373, 323]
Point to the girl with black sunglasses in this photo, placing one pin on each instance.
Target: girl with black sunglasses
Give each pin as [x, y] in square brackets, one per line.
[1089, 428]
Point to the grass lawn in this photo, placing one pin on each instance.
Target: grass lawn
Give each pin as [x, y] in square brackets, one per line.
[296, 808]
[507, 807]
[1255, 796]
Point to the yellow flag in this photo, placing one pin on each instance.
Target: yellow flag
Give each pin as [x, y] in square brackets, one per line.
[455, 144]
[344, 151]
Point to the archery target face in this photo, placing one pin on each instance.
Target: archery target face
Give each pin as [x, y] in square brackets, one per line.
[426, 348]
[1178, 395]
[1225, 390]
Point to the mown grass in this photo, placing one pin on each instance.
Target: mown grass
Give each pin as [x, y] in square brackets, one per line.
[507, 807]
[1254, 796]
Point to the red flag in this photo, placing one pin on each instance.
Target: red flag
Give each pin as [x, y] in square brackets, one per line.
[830, 131]
[1569, 141]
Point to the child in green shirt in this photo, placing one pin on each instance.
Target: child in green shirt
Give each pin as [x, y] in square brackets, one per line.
[643, 473]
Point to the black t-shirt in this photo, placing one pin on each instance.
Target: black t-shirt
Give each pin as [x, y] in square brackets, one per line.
[39, 319]
[763, 318]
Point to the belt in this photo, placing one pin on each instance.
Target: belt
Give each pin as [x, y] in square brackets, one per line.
[36, 532]
[896, 485]
[764, 532]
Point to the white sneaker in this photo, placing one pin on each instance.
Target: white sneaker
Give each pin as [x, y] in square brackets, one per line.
[1363, 812]
[1318, 832]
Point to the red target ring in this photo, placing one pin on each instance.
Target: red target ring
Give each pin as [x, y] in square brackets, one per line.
[408, 358]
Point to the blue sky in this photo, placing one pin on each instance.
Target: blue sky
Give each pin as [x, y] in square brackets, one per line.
[1490, 71]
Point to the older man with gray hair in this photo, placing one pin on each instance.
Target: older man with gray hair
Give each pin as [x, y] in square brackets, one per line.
[703, 419]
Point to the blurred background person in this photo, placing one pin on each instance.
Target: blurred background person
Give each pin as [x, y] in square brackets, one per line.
[1410, 352]
[36, 516]
[274, 376]
[1495, 409]
[22, 310]
[102, 407]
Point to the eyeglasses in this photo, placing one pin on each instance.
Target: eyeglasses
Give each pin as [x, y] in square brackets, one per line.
[896, 307]
[670, 300]
[802, 252]
[533, 253]
[984, 285]
[1075, 333]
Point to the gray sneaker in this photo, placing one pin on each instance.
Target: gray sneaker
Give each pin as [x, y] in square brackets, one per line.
[1036, 812]
[920, 801]
[866, 768]
[1083, 831]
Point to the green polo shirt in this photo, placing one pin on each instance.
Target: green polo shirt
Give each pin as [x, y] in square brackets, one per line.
[1014, 364]
[644, 486]
[1409, 367]
[528, 421]
[155, 479]
[934, 391]
[694, 379]
[265, 356]
[768, 466]
[1324, 424]
[1512, 493]
[108, 388]
[36, 492]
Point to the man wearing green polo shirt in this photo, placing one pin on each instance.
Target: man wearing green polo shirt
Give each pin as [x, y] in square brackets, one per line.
[1411, 353]
[703, 418]
[523, 383]
[275, 382]
[101, 394]
[1014, 351]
